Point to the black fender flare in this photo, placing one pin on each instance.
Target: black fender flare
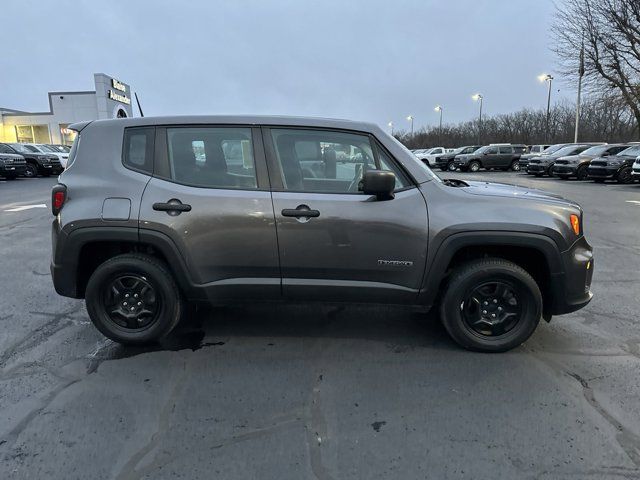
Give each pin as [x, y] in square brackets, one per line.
[453, 243]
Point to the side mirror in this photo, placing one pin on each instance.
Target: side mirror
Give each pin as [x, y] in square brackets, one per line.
[380, 183]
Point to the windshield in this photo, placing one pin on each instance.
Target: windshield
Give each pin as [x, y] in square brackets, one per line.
[46, 148]
[24, 148]
[566, 150]
[632, 151]
[597, 150]
[554, 148]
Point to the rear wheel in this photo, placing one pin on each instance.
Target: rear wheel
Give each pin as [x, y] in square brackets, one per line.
[133, 299]
[491, 305]
[515, 166]
[474, 166]
[581, 173]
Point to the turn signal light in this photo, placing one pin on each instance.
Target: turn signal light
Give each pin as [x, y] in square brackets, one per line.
[575, 224]
[58, 197]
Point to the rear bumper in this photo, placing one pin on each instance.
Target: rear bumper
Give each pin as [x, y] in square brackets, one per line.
[572, 288]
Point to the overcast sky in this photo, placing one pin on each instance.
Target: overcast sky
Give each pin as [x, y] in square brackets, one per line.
[365, 60]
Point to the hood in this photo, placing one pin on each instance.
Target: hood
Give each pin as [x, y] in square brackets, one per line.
[514, 191]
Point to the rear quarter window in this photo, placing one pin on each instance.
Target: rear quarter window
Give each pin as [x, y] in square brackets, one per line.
[138, 149]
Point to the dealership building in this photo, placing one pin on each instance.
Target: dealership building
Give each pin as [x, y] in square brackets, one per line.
[110, 99]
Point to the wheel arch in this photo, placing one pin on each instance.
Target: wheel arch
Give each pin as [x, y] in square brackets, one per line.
[536, 253]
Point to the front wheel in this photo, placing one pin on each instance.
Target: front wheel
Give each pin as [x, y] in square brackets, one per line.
[491, 305]
[515, 166]
[625, 176]
[133, 299]
[581, 173]
[474, 166]
[451, 167]
[31, 171]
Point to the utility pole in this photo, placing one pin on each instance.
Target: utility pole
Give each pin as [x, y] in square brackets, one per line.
[545, 77]
[580, 75]
[410, 118]
[478, 97]
[439, 109]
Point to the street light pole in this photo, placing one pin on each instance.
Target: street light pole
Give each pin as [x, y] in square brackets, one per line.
[410, 118]
[479, 97]
[391, 126]
[547, 78]
[439, 109]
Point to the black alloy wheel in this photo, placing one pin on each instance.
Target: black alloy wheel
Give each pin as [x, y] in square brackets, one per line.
[31, 171]
[492, 308]
[131, 302]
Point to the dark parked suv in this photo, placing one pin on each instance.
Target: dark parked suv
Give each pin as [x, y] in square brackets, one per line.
[12, 165]
[153, 212]
[615, 167]
[503, 157]
[543, 164]
[446, 160]
[577, 165]
[37, 163]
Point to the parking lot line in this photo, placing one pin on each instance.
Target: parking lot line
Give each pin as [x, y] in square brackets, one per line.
[26, 207]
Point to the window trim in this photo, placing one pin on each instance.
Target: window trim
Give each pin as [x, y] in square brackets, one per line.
[275, 171]
[162, 167]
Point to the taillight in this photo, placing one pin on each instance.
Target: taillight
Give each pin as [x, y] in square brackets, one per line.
[575, 223]
[58, 197]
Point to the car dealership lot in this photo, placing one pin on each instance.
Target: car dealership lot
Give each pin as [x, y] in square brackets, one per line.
[295, 391]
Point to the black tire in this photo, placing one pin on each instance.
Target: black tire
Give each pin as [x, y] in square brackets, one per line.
[451, 167]
[478, 276]
[474, 166]
[159, 296]
[515, 166]
[581, 173]
[624, 176]
[31, 171]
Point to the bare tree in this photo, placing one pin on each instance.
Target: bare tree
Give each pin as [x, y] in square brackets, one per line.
[609, 32]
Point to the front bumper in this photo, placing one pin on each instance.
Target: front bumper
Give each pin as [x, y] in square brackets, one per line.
[565, 170]
[635, 172]
[538, 168]
[603, 172]
[571, 289]
[12, 169]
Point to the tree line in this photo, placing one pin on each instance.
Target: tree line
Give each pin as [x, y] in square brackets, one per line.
[606, 119]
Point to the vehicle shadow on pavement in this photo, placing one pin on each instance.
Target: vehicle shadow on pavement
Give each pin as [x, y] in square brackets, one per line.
[401, 329]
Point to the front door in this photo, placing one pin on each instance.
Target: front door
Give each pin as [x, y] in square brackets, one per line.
[335, 242]
[210, 196]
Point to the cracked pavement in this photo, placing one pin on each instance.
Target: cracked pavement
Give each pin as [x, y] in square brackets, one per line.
[326, 392]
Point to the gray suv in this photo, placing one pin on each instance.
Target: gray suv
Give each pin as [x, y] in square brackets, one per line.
[154, 212]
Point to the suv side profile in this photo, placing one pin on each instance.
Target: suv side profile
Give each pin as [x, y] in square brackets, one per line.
[154, 212]
[446, 160]
[503, 157]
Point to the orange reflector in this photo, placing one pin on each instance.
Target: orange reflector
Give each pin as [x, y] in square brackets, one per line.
[575, 224]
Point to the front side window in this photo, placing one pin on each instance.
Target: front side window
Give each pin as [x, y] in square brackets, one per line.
[327, 161]
[491, 150]
[212, 157]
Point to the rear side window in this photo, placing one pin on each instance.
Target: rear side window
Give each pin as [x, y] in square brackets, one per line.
[519, 149]
[212, 157]
[138, 149]
[506, 150]
[73, 151]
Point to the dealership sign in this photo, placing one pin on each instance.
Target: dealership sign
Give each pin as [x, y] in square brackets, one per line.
[119, 97]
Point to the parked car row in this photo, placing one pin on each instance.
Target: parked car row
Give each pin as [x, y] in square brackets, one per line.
[31, 159]
[597, 161]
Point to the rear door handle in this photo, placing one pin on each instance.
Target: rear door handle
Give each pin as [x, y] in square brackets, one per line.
[172, 207]
[301, 211]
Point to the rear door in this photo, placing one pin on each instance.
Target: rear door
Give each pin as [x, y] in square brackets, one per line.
[505, 155]
[209, 196]
[335, 242]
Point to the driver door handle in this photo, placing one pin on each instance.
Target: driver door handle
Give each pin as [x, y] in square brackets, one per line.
[302, 211]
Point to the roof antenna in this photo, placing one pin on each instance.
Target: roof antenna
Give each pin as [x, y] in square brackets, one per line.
[138, 102]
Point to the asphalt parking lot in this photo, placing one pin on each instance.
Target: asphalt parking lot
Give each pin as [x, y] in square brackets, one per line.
[326, 392]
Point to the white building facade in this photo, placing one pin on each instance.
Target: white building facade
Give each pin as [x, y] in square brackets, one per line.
[110, 99]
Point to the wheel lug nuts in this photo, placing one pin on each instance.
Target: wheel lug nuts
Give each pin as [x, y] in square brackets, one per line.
[486, 303]
[499, 309]
[484, 312]
[126, 295]
[133, 308]
[495, 301]
[139, 303]
[493, 315]
[135, 295]
[124, 303]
